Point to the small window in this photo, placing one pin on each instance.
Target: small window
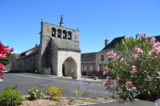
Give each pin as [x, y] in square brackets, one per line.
[102, 57]
[69, 35]
[53, 32]
[64, 34]
[59, 33]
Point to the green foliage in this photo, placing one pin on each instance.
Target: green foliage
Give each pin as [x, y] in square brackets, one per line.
[35, 93]
[54, 92]
[107, 98]
[10, 98]
[144, 83]
[94, 97]
[78, 92]
[11, 88]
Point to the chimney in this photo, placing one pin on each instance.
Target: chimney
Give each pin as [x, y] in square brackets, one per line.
[106, 42]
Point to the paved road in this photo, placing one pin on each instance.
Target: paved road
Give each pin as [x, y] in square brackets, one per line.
[25, 82]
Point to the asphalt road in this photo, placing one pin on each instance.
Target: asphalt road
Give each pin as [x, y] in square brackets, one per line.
[25, 82]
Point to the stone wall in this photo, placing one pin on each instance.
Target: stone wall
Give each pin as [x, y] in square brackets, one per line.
[25, 64]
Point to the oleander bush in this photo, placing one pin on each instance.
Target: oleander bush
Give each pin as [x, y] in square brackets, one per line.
[35, 93]
[133, 70]
[54, 92]
[10, 98]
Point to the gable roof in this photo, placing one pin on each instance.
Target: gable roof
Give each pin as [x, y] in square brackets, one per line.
[112, 44]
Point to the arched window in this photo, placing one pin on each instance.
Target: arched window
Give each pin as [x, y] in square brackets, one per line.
[64, 34]
[69, 35]
[54, 32]
[102, 57]
[59, 33]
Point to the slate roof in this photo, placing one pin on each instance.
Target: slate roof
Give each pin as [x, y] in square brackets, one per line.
[28, 52]
[112, 44]
[88, 57]
[157, 38]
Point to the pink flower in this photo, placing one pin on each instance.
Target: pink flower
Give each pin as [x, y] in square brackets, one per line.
[104, 73]
[129, 86]
[118, 78]
[133, 70]
[122, 60]
[106, 81]
[157, 44]
[2, 67]
[2, 56]
[111, 55]
[11, 50]
[151, 40]
[142, 34]
[98, 68]
[135, 56]
[155, 50]
[136, 52]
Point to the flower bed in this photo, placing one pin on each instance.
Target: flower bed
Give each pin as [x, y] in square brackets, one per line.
[64, 101]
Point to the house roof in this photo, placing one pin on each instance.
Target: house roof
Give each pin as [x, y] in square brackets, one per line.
[157, 38]
[112, 44]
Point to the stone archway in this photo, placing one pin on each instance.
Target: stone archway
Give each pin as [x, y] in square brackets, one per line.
[69, 67]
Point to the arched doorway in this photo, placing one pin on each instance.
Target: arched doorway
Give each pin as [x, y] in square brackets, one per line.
[69, 67]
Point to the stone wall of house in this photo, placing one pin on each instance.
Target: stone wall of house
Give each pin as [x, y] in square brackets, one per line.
[101, 59]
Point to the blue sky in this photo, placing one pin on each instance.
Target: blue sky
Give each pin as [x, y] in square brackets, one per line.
[96, 20]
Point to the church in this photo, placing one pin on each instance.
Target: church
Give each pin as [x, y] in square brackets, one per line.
[58, 53]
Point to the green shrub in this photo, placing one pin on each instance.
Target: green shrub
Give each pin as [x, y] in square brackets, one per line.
[78, 91]
[35, 93]
[11, 88]
[94, 97]
[54, 92]
[107, 98]
[10, 98]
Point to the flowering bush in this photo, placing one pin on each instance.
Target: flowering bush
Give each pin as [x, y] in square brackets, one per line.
[35, 93]
[133, 70]
[54, 92]
[4, 52]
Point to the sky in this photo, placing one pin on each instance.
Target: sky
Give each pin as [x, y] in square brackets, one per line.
[97, 20]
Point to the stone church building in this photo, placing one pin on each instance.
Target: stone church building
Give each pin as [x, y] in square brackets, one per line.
[58, 53]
